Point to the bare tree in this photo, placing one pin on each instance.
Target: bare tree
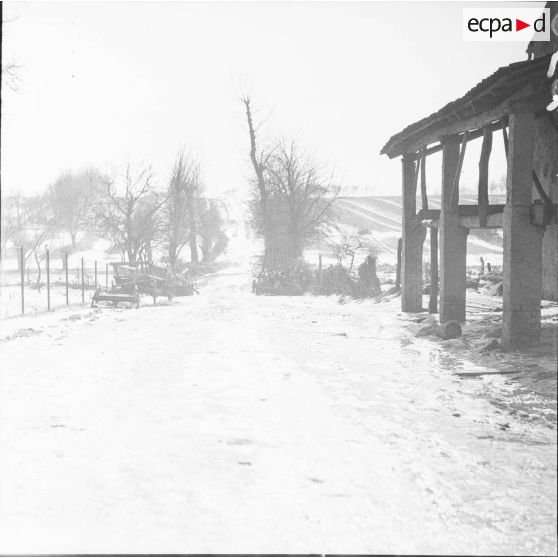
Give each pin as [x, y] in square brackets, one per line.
[259, 159]
[126, 210]
[213, 238]
[71, 198]
[12, 219]
[180, 219]
[10, 70]
[300, 198]
[10, 75]
[346, 246]
[34, 229]
[41, 238]
[293, 201]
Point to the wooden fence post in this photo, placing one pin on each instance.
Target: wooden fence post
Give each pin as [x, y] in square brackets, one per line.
[106, 276]
[95, 274]
[48, 278]
[22, 271]
[67, 297]
[82, 283]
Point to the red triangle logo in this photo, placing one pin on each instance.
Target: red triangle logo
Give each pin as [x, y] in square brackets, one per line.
[519, 25]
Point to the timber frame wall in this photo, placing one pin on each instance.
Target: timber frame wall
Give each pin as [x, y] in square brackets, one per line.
[523, 221]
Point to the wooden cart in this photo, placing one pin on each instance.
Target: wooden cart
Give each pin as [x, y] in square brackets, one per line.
[131, 280]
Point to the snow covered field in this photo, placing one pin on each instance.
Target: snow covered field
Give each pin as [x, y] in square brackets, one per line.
[232, 423]
[381, 217]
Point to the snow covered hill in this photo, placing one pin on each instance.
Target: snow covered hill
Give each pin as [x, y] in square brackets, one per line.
[378, 218]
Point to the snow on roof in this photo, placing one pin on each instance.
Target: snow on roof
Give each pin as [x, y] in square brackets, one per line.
[486, 95]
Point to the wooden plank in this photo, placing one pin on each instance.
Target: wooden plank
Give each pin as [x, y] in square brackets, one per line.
[453, 237]
[462, 211]
[413, 238]
[493, 221]
[544, 214]
[544, 196]
[434, 274]
[398, 272]
[424, 195]
[473, 134]
[506, 140]
[483, 176]
[454, 197]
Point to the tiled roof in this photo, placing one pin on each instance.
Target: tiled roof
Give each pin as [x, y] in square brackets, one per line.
[486, 95]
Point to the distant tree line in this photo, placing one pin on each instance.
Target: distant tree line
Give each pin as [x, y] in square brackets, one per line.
[127, 207]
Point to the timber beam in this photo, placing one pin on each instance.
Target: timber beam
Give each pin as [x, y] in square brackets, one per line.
[462, 211]
[531, 96]
[522, 240]
[543, 214]
[472, 135]
[453, 236]
[413, 237]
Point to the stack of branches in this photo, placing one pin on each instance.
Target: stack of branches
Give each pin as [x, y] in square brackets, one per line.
[287, 282]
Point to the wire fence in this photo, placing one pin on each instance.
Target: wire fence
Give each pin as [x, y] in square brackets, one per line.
[50, 283]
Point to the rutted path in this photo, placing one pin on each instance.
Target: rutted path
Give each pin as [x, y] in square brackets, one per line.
[233, 423]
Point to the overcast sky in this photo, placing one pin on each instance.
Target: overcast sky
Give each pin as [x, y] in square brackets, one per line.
[104, 83]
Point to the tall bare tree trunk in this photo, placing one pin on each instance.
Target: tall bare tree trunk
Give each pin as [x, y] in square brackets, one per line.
[258, 169]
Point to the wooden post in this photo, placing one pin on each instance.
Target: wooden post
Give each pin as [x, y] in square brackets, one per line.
[106, 276]
[22, 272]
[453, 237]
[48, 278]
[483, 175]
[398, 269]
[424, 195]
[434, 278]
[82, 283]
[320, 263]
[413, 239]
[505, 136]
[28, 275]
[95, 274]
[522, 240]
[66, 266]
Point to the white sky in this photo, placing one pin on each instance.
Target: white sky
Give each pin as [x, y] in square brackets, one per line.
[103, 83]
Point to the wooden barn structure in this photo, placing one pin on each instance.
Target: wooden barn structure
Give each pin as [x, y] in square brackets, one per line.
[511, 102]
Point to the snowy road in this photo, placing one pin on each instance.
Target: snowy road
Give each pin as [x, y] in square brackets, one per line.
[233, 423]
